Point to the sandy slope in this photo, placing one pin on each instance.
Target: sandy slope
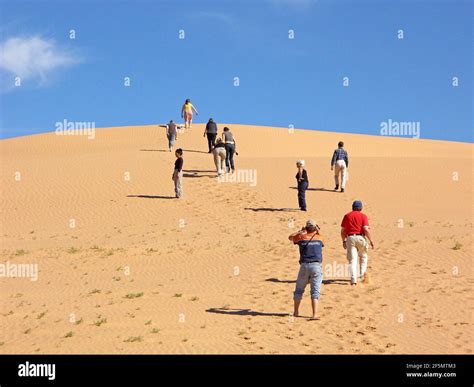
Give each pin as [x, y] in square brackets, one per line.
[214, 272]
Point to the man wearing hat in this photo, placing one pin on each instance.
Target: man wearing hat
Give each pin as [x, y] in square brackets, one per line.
[311, 257]
[354, 234]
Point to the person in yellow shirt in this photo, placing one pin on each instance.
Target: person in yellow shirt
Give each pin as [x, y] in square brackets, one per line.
[187, 113]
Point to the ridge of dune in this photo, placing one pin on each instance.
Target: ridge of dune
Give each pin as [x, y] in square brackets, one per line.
[214, 272]
[377, 146]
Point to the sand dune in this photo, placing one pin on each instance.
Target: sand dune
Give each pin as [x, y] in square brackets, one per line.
[214, 272]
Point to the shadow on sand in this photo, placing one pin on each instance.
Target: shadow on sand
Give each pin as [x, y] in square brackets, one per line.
[195, 174]
[196, 151]
[268, 209]
[318, 189]
[167, 150]
[197, 170]
[335, 281]
[155, 150]
[244, 312]
[280, 281]
[150, 197]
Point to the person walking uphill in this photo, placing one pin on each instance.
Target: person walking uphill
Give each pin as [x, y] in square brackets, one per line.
[211, 133]
[178, 173]
[187, 113]
[230, 148]
[219, 156]
[311, 257]
[302, 184]
[354, 234]
[340, 163]
[171, 133]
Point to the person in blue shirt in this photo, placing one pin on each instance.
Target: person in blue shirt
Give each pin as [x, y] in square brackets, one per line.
[340, 163]
[311, 245]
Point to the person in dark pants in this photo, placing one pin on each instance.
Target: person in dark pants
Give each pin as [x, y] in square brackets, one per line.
[230, 149]
[302, 180]
[211, 133]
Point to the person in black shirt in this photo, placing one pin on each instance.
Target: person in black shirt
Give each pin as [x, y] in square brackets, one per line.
[302, 180]
[211, 133]
[178, 173]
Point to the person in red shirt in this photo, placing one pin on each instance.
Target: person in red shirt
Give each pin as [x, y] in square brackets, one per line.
[355, 233]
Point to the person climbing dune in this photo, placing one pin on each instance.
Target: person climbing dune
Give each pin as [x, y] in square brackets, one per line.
[187, 113]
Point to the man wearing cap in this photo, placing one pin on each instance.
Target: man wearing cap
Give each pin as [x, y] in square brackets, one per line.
[211, 133]
[311, 257]
[354, 234]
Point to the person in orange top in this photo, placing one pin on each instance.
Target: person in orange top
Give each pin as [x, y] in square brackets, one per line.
[311, 246]
[187, 113]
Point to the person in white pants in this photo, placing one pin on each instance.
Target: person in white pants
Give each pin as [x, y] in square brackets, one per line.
[340, 163]
[356, 247]
[340, 168]
[219, 153]
[355, 233]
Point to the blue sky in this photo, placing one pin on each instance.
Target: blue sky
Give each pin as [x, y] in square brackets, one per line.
[282, 81]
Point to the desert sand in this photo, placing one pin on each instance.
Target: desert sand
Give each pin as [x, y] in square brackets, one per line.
[125, 268]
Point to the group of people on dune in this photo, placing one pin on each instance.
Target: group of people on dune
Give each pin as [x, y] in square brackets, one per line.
[222, 147]
[355, 233]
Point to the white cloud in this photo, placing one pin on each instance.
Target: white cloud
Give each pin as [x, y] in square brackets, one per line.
[34, 58]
